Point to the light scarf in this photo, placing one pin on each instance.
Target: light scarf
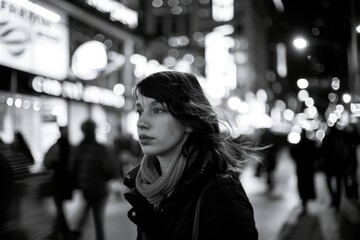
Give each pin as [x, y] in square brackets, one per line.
[155, 187]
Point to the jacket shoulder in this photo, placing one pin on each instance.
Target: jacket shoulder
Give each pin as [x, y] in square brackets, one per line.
[227, 186]
[227, 210]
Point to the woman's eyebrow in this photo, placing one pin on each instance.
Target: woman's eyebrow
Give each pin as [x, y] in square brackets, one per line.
[156, 103]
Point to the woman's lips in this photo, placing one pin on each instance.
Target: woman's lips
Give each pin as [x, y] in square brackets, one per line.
[144, 139]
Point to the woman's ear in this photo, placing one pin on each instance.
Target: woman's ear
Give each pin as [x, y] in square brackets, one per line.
[188, 129]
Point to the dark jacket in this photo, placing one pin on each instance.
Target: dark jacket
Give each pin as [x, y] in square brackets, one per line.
[57, 159]
[92, 168]
[226, 212]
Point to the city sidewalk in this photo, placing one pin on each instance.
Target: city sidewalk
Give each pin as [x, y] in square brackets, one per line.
[279, 215]
[322, 223]
[272, 208]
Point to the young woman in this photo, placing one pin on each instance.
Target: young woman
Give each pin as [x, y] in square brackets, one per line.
[184, 150]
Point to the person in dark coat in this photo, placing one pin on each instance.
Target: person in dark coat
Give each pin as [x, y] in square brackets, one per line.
[273, 145]
[15, 160]
[57, 159]
[92, 169]
[185, 156]
[20, 145]
[306, 154]
[7, 182]
[336, 151]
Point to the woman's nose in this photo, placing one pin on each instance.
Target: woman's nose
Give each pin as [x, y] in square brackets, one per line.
[142, 122]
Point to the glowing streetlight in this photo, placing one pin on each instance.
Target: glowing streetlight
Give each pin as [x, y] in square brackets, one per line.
[300, 43]
[358, 28]
[302, 83]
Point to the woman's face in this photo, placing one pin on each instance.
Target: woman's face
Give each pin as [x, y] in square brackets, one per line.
[160, 133]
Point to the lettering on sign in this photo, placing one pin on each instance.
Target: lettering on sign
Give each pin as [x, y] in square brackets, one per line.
[77, 91]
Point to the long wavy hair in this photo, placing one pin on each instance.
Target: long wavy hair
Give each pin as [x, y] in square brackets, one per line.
[185, 99]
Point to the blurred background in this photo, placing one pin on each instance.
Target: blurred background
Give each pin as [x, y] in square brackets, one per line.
[281, 66]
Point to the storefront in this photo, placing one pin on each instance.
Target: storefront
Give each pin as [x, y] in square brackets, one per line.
[34, 40]
[39, 90]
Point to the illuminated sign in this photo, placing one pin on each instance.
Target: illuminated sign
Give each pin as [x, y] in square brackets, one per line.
[77, 91]
[117, 11]
[89, 60]
[222, 11]
[34, 38]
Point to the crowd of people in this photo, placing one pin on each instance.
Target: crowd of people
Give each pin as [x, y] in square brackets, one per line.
[86, 167]
[335, 157]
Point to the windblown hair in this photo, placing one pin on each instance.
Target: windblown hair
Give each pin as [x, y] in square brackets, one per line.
[185, 99]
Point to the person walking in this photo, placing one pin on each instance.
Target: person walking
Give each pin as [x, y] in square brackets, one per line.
[336, 155]
[92, 168]
[57, 160]
[305, 154]
[187, 185]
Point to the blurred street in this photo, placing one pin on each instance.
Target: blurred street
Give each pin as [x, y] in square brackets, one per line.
[284, 73]
[278, 213]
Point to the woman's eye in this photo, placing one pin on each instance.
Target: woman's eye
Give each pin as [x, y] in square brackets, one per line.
[156, 111]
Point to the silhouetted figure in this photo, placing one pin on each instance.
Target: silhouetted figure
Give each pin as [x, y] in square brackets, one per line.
[305, 153]
[57, 159]
[20, 159]
[20, 145]
[352, 138]
[92, 169]
[336, 153]
[7, 180]
[15, 161]
[273, 144]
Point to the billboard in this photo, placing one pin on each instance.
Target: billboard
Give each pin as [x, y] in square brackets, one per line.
[34, 38]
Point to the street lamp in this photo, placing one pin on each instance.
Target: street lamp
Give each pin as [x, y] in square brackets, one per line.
[300, 43]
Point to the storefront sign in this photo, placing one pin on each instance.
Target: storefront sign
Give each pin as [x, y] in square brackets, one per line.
[34, 38]
[77, 91]
[117, 11]
[89, 60]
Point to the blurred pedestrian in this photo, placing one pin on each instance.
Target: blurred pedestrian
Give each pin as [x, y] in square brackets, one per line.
[20, 159]
[57, 160]
[92, 168]
[6, 189]
[184, 188]
[15, 160]
[20, 146]
[336, 154]
[273, 144]
[352, 139]
[306, 155]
